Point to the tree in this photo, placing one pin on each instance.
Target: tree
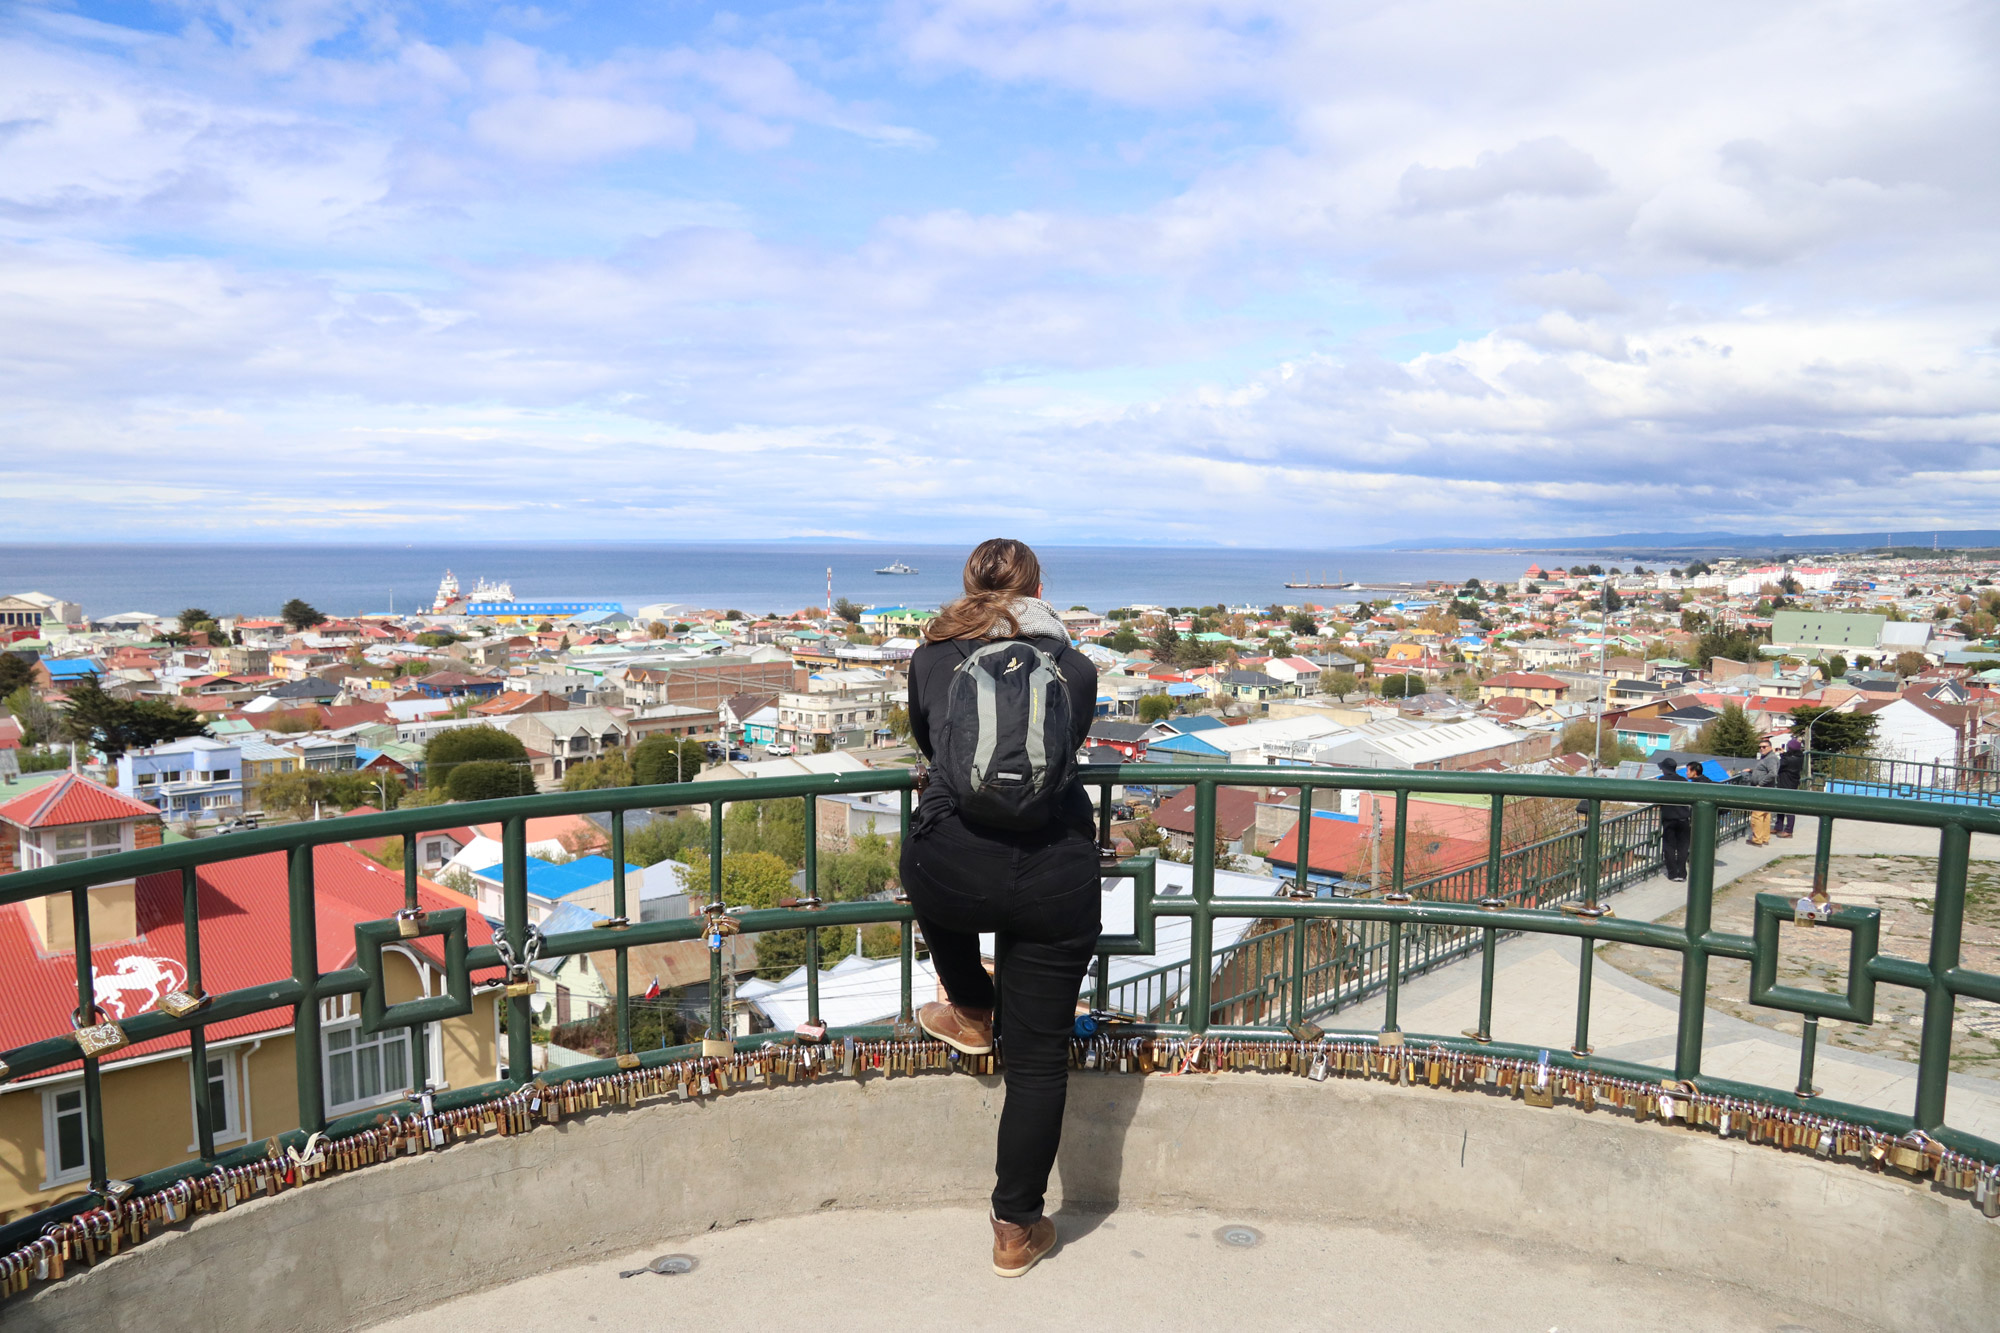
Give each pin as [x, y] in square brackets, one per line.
[489, 779]
[1302, 625]
[666, 838]
[613, 770]
[113, 725]
[16, 672]
[1339, 684]
[193, 619]
[848, 611]
[1738, 645]
[300, 790]
[1837, 733]
[1402, 687]
[1911, 663]
[1730, 733]
[898, 721]
[1611, 601]
[1165, 640]
[448, 749]
[39, 722]
[776, 828]
[659, 759]
[1124, 639]
[1582, 737]
[1154, 707]
[1836, 666]
[299, 614]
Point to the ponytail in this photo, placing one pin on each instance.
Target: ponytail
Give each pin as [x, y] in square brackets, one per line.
[996, 573]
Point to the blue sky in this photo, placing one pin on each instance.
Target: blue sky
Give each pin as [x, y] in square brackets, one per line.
[1139, 270]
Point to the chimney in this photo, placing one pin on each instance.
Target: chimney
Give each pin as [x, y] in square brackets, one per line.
[114, 916]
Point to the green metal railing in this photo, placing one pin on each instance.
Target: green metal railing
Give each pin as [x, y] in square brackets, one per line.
[1467, 910]
[1903, 779]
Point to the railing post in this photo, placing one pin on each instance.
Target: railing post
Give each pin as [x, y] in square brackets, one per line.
[1947, 927]
[812, 895]
[1694, 958]
[86, 1008]
[622, 1003]
[204, 1113]
[1822, 859]
[1304, 867]
[514, 923]
[716, 1029]
[305, 971]
[1201, 926]
[420, 1052]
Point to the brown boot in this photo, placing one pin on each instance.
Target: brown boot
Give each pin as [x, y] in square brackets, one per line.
[967, 1031]
[1016, 1249]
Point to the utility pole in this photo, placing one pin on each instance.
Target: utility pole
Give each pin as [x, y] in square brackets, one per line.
[1603, 632]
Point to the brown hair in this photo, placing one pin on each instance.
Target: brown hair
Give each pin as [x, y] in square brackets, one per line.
[996, 573]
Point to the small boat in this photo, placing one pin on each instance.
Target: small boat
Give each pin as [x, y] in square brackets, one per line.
[898, 568]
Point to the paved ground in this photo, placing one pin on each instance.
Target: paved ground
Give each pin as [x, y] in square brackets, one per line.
[1534, 1000]
[930, 1269]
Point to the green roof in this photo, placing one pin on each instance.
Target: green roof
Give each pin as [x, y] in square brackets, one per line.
[1827, 629]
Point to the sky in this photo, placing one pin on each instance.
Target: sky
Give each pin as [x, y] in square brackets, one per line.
[1155, 271]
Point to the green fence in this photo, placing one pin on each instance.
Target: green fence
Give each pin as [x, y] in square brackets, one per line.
[1552, 888]
[1903, 779]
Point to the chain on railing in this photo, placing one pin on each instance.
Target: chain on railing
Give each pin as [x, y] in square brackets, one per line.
[1269, 982]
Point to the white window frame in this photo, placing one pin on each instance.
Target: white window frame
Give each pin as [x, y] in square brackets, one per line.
[231, 1127]
[52, 1176]
[361, 1039]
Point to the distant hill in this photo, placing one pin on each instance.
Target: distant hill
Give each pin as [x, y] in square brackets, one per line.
[1711, 541]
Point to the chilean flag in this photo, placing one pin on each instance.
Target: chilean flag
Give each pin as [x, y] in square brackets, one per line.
[652, 991]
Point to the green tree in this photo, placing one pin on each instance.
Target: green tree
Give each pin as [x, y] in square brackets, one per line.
[1582, 736]
[848, 611]
[1402, 686]
[898, 720]
[1836, 666]
[1124, 639]
[193, 619]
[1165, 640]
[489, 779]
[659, 759]
[1911, 664]
[448, 749]
[613, 770]
[1832, 732]
[300, 614]
[1738, 645]
[113, 725]
[16, 672]
[299, 791]
[869, 866]
[749, 879]
[1302, 625]
[773, 828]
[1339, 684]
[666, 838]
[39, 722]
[1154, 707]
[1730, 733]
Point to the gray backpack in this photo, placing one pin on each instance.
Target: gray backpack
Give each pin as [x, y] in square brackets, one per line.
[1006, 753]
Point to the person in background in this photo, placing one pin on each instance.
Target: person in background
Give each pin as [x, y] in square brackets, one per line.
[1675, 826]
[1791, 771]
[1037, 888]
[1763, 772]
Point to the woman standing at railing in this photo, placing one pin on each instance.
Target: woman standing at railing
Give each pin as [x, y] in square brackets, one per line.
[1000, 703]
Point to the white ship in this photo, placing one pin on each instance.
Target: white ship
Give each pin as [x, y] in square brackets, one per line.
[450, 597]
[898, 568]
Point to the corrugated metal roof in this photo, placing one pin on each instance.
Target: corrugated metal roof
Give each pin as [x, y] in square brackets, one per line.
[74, 799]
[245, 941]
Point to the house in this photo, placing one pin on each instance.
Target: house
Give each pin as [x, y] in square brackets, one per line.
[457, 684]
[587, 878]
[676, 720]
[559, 741]
[1627, 691]
[1917, 728]
[1550, 653]
[1248, 686]
[1343, 854]
[1652, 735]
[71, 818]
[139, 955]
[838, 710]
[1532, 686]
[1816, 633]
[1235, 817]
[1299, 673]
[839, 820]
[1128, 739]
[1407, 743]
[192, 778]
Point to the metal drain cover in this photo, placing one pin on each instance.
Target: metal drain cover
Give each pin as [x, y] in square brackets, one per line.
[1239, 1236]
[667, 1265]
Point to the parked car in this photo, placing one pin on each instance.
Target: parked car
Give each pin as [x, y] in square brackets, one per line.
[778, 751]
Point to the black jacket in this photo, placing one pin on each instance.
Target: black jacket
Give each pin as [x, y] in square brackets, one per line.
[1791, 768]
[1675, 814]
[930, 685]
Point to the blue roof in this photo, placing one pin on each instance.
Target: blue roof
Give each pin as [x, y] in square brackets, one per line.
[559, 881]
[1180, 688]
[570, 916]
[70, 668]
[1182, 745]
[1184, 725]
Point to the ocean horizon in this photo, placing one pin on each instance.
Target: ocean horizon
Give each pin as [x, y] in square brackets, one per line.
[757, 578]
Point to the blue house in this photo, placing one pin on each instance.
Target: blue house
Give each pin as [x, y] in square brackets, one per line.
[194, 778]
[550, 885]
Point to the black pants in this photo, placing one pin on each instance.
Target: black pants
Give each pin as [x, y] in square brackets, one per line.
[1784, 824]
[1674, 840]
[1039, 894]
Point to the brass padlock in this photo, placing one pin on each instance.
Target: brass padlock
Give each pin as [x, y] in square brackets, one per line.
[519, 983]
[717, 1048]
[179, 1004]
[101, 1038]
[410, 922]
[1907, 1156]
[628, 1060]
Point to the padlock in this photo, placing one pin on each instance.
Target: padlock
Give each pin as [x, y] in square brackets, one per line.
[1908, 1155]
[101, 1038]
[628, 1060]
[812, 1030]
[410, 922]
[179, 1004]
[717, 1048]
[519, 983]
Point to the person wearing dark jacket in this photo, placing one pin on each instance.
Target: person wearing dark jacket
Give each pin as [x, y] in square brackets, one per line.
[1791, 771]
[1675, 827]
[1037, 890]
[1763, 772]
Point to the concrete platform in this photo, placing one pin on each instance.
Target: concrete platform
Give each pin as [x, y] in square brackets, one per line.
[928, 1269]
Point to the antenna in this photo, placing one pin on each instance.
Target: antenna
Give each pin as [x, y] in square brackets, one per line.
[829, 594]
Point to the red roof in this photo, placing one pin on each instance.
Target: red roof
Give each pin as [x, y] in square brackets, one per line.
[1525, 680]
[245, 941]
[333, 717]
[73, 799]
[1340, 847]
[1235, 812]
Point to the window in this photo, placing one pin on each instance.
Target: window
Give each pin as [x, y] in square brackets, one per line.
[66, 1150]
[220, 1089]
[362, 1069]
[105, 835]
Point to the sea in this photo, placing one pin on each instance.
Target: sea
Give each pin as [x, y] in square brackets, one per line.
[757, 579]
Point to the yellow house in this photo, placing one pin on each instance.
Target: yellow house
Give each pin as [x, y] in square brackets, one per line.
[139, 956]
[262, 761]
[1403, 652]
[1530, 685]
